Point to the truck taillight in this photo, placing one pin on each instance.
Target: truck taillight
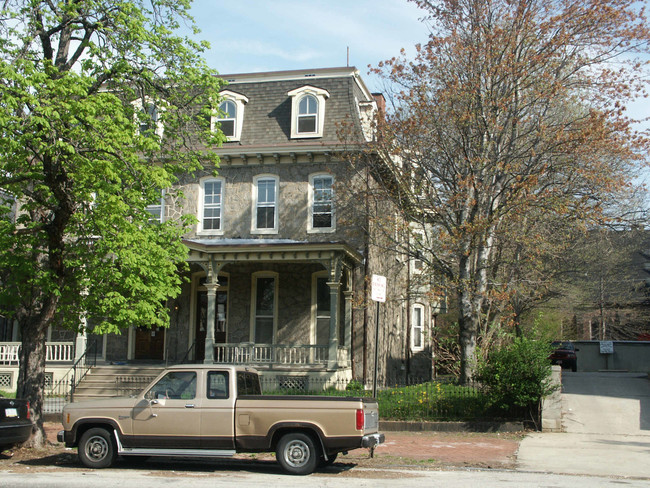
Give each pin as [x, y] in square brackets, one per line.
[28, 414]
[360, 419]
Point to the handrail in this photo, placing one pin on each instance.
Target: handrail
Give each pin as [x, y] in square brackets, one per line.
[187, 354]
[77, 372]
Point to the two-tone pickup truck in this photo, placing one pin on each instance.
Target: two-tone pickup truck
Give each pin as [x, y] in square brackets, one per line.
[216, 411]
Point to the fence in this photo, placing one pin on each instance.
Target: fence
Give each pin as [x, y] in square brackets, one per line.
[429, 400]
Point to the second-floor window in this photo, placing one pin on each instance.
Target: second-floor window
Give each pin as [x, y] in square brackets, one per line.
[211, 218]
[265, 202]
[321, 196]
[157, 209]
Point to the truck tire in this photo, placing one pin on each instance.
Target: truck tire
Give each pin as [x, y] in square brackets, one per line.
[297, 453]
[97, 448]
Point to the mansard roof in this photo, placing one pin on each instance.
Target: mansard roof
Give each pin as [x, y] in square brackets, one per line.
[267, 114]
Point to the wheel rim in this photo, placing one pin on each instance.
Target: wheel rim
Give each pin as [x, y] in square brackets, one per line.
[97, 448]
[297, 453]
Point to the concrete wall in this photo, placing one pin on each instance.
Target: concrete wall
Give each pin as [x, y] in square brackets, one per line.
[627, 356]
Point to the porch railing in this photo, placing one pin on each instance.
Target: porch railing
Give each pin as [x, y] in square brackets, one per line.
[56, 352]
[284, 354]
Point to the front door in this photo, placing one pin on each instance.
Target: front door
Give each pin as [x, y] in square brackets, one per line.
[149, 343]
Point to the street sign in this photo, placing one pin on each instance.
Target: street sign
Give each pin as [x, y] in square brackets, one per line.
[378, 288]
[607, 347]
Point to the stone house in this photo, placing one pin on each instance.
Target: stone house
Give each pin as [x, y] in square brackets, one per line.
[281, 257]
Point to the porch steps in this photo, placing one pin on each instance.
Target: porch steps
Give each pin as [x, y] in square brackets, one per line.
[114, 381]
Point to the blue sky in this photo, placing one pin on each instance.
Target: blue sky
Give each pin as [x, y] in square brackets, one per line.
[257, 35]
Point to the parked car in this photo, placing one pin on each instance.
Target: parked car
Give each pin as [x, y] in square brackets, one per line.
[564, 354]
[15, 426]
[217, 411]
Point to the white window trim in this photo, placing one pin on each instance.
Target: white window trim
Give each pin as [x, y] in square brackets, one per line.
[297, 95]
[161, 204]
[314, 304]
[254, 278]
[240, 101]
[256, 179]
[417, 306]
[201, 203]
[310, 224]
[138, 106]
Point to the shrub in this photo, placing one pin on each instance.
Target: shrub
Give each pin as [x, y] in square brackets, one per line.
[517, 375]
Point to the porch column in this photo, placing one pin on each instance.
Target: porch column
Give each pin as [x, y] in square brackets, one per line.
[81, 340]
[332, 359]
[209, 326]
[348, 322]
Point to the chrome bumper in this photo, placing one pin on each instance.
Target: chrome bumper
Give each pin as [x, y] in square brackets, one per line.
[372, 440]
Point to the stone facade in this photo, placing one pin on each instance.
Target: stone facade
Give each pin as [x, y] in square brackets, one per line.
[308, 285]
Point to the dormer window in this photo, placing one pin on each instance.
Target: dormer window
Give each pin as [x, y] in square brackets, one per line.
[231, 115]
[147, 114]
[228, 118]
[307, 114]
[307, 111]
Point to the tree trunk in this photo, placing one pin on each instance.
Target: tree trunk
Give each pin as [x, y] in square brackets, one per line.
[31, 378]
[467, 331]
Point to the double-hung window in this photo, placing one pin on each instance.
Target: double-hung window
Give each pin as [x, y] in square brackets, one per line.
[231, 115]
[417, 328]
[307, 111]
[157, 209]
[265, 203]
[212, 204]
[228, 112]
[147, 113]
[321, 203]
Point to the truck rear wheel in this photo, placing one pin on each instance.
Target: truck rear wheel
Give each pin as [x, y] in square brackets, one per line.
[97, 448]
[297, 453]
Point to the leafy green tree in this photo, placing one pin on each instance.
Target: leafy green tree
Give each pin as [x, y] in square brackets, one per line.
[509, 119]
[102, 105]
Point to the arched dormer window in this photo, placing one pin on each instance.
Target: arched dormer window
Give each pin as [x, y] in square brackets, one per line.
[147, 115]
[231, 115]
[307, 111]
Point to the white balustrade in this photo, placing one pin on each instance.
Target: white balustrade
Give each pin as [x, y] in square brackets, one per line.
[306, 355]
[56, 352]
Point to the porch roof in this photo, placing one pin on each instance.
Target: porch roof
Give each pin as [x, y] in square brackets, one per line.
[238, 250]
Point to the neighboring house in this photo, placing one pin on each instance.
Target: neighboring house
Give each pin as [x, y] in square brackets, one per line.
[281, 257]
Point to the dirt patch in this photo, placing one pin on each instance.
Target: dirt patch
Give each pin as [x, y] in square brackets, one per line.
[418, 450]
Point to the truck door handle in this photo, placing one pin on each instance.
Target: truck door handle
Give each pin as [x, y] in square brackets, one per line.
[189, 405]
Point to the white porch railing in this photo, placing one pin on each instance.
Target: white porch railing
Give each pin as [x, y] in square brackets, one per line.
[284, 354]
[55, 352]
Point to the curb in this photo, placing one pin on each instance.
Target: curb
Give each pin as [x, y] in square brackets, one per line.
[470, 426]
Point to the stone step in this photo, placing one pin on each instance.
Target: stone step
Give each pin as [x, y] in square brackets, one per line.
[115, 380]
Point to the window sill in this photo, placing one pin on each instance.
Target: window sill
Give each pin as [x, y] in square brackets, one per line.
[321, 230]
[209, 232]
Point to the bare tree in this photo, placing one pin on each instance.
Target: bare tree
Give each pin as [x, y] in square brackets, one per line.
[511, 118]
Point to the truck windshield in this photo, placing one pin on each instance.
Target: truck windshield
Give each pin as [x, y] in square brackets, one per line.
[248, 384]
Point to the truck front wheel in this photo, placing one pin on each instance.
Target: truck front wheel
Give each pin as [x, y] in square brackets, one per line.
[96, 448]
[297, 453]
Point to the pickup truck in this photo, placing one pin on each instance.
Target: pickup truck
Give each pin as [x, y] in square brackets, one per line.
[217, 411]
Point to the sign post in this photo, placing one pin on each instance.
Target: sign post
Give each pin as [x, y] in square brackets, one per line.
[378, 294]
